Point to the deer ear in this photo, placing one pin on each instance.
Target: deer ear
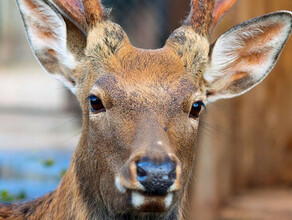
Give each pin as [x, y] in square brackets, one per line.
[243, 56]
[47, 34]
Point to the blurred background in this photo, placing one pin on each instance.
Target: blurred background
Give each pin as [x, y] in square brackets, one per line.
[244, 160]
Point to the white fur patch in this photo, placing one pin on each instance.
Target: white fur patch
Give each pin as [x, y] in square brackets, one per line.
[159, 143]
[137, 199]
[119, 186]
[168, 200]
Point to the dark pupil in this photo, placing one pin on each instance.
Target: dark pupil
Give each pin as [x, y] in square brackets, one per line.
[96, 104]
[196, 109]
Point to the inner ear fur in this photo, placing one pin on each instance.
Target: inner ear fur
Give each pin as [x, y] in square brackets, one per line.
[56, 42]
[243, 56]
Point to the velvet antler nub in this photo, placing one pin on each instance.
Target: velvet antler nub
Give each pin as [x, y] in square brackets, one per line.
[205, 14]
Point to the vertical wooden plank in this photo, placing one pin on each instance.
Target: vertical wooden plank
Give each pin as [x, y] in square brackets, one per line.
[261, 130]
[256, 149]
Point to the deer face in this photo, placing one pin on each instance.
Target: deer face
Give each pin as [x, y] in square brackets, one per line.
[141, 107]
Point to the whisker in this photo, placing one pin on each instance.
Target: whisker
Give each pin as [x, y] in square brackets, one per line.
[74, 135]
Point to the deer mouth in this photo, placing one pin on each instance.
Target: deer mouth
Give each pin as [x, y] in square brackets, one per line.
[151, 203]
[143, 201]
[150, 185]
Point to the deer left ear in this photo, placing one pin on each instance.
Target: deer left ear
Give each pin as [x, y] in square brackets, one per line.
[243, 56]
[47, 33]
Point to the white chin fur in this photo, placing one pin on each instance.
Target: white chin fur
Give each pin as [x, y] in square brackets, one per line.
[137, 199]
[168, 200]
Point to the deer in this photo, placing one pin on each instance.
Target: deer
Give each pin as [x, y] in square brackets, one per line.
[141, 108]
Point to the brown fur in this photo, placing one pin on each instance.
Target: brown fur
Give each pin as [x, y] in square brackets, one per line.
[206, 13]
[123, 75]
[201, 15]
[74, 10]
[93, 11]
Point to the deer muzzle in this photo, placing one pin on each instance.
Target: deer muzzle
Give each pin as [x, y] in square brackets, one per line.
[150, 180]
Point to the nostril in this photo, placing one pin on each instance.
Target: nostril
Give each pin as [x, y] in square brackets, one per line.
[172, 174]
[140, 171]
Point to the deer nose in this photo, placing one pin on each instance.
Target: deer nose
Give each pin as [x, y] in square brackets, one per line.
[156, 177]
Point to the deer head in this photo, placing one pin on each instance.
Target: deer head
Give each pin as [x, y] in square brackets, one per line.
[141, 107]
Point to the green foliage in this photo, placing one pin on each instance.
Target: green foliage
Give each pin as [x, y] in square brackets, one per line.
[62, 172]
[6, 196]
[48, 162]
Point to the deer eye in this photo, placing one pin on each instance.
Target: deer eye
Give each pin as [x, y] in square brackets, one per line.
[96, 104]
[196, 109]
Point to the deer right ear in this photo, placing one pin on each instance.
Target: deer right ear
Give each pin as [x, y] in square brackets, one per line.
[243, 56]
[47, 34]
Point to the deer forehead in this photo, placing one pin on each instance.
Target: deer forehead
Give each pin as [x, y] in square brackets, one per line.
[185, 53]
[147, 83]
[158, 89]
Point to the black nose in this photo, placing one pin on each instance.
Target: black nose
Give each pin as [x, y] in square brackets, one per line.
[156, 177]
